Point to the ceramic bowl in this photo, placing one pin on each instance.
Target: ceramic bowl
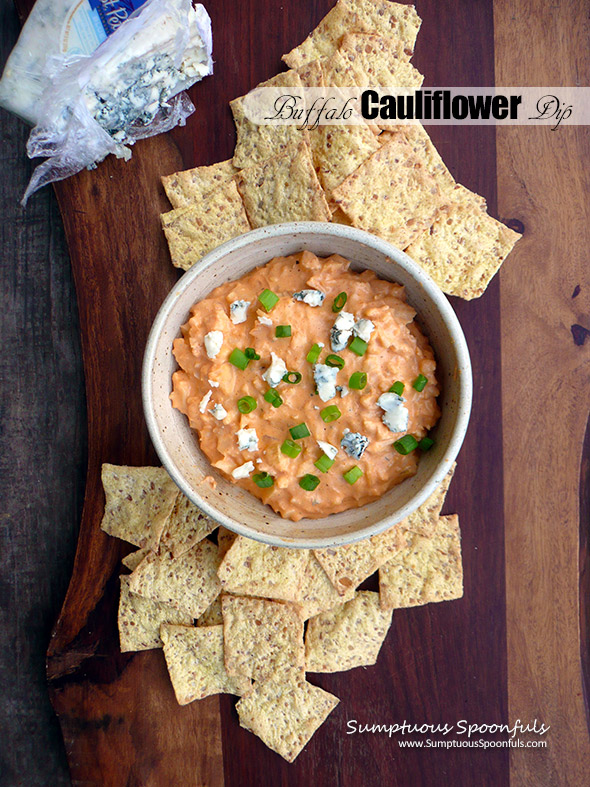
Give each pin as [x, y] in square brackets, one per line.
[178, 447]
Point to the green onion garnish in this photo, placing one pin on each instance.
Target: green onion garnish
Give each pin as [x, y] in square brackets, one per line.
[309, 482]
[263, 480]
[289, 448]
[299, 431]
[358, 381]
[358, 346]
[330, 413]
[251, 354]
[239, 359]
[292, 377]
[246, 404]
[268, 299]
[397, 388]
[419, 383]
[339, 302]
[352, 476]
[405, 444]
[314, 353]
[324, 463]
[426, 444]
[273, 398]
[282, 331]
[335, 360]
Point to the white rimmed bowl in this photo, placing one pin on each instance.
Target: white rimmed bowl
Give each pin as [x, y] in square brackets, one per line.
[177, 444]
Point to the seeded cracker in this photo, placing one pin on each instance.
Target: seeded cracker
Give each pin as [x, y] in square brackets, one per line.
[140, 619]
[311, 74]
[186, 527]
[284, 188]
[133, 559]
[339, 150]
[425, 518]
[263, 639]
[194, 230]
[285, 715]
[391, 195]
[188, 582]
[428, 569]
[212, 616]
[194, 657]
[346, 637]
[375, 61]
[193, 185]
[363, 16]
[318, 593]
[225, 538]
[138, 503]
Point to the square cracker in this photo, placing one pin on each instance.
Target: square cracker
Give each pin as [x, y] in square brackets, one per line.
[364, 16]
[285, 715]
[375, 61]
[428, 569]
[251, 568]
[197, 229]
[463, 248]
[186, 526]
[346, 637]
[391, 194]
[338, 150]
[284, 188]
[140, 619]
[133, 559]
[194, 657]
[188, 582]
[139, 501]
[225, 538]
[424, 519]
[263, 639]
[193, 185]
[212, 616]
[318, 593]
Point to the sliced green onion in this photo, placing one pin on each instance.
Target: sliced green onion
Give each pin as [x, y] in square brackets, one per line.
[324, 463]
[263, 480]
[314, 353]
[426, 444]
[358, 381]
[358, 346]
[339, 302]
[273, 398]
[330, 413]
[239, 359]
[251, 354]
[419, 383]
[300, 431]
[282, 331]
[405, 444]
[268, 299]
[289, 448]
[292, 377]
[246, 404]
[335, 360]
[352, 476]
[309, 482]
[397, 388]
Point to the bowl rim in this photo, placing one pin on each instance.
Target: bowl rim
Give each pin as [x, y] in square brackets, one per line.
[464, 399]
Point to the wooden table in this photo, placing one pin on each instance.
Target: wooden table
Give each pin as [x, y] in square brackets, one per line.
[516, 646]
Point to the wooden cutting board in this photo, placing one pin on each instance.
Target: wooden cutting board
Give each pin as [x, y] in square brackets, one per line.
[516, 646]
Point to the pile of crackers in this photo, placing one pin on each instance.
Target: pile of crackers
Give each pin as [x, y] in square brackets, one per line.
[236, 616]
[389, 181]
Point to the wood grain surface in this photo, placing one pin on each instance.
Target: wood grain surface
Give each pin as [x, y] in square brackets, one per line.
[511, 647]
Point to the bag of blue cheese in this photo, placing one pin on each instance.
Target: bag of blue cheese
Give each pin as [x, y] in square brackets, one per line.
[88, 105]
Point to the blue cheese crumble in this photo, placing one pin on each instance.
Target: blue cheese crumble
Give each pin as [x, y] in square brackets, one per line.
[238, 311]
[218, 412]
[243, 471]
[396, 415]
[363, 329]
[325, 380]
[247, 439]
[354, 443]
[310, 297]
[213, 341]
[276, 371]
[205, 401]
[341, 331]
[330, 450]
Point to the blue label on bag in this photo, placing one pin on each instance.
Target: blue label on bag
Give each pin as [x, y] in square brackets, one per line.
[90, 22]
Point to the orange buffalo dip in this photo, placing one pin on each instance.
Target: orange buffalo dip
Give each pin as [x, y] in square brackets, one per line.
[309, 385]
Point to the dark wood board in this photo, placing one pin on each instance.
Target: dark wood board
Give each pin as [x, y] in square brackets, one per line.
[441, 663]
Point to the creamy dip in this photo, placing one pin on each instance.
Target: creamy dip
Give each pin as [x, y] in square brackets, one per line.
[256, 449]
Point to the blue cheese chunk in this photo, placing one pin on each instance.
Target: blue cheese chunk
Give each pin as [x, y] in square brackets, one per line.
[310, 297]
[363, 329]
[396, 415]
[276, 371]
[205, 401]
[238, 311]
[341, 331]
[330, 450]
[218, 412]
[213, 341]
[325, 380]
[247, 439]
[265, 320]
[243, 471]
[354, 443]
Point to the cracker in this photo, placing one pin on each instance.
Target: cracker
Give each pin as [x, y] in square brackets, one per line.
[364, 16]
[463, 248]
[391, 194]
[311, 74]
[338, 150]
[140, 619]
[378, 61]
[251, 568]
[340, 217]
[186, 527]
[133, 559]
[212, 615]
[225, 538]
[285, 715]
[139, 501]
[427, 570]
[193, 185]
[349, 636]
[262, 638]
[284, 188]
[423, 147]
[424, 519]
[197, 229]
[337, 71]
[318, 594]
[188, 582]
[256, 144]
[194, 657]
